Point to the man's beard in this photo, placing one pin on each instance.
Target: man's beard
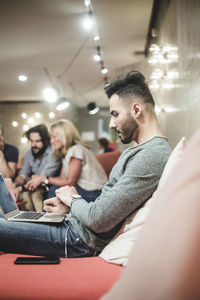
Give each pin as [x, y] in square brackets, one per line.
[39, 152]
[128, 129]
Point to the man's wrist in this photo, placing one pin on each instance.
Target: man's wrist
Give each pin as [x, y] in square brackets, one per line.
[46, 180]
[19, 183]
[73, 198]
[20, 180]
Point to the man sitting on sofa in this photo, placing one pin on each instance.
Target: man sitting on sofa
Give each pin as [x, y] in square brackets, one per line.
[37, 161]
[90, 226]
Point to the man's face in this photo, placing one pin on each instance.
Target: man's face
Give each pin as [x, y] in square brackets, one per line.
[37, 146]
[121, 120]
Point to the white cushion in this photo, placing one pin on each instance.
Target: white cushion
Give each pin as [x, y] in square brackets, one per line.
[172, 161]
[119, 248]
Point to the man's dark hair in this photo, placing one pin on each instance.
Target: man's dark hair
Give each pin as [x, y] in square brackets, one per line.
[43, 132]
[132, 85]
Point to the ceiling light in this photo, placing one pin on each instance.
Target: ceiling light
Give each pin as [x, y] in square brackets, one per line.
[14, 123]
[51, 115]
[24, 115]
[167, 85]
[37, 115]
[87, 3]
[154, 32]
[51, 94]
[31, 121]
[172, 74]
[97, 57]
[156, 74]
[104, 71]
[170, 48]
[172, 56]
[92, 108]
[157, 109]
[170, 109]
[154, 85]
[25, 127]
[96, 37]
[63, 104]
[153, 60]
[154, 48]
[22, 77]
[24, 140]
[88, 22]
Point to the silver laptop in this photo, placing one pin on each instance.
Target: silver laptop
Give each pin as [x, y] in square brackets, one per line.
[12, 213]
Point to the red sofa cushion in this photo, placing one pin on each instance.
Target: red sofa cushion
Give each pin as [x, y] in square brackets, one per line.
[74, 279]
[108, 160]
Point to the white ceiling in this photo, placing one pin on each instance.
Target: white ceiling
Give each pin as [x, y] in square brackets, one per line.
[38, 34]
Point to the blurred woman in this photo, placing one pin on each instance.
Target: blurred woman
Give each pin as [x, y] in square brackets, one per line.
[80, 166]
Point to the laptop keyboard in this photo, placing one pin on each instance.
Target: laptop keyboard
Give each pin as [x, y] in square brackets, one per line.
[29, 215]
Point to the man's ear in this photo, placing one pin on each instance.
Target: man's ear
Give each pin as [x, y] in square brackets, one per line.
[136, 110]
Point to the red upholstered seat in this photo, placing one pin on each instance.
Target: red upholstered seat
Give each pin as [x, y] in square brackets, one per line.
[108, 160]
[74, 279]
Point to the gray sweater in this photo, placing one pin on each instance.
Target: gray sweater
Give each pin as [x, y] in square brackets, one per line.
[132, 181]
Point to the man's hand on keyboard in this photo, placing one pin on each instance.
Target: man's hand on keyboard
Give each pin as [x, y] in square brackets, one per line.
[54, 205]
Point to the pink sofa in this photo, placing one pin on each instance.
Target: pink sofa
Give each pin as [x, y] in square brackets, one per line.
[74, 279]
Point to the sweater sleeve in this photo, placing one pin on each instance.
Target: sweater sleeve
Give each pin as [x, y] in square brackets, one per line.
[134, 185]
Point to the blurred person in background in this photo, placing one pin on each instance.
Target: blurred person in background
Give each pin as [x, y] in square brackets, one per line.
[8, 157]
[80, 166]
[104, 145]
[37, 161]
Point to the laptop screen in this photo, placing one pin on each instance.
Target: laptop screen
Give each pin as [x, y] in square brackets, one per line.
[6, 201]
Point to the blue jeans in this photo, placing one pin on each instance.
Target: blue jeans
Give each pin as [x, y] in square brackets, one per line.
[42, 239]
[51, 192]
[87, 195]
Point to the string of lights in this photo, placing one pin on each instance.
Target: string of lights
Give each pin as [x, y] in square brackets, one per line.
[52, 94]
[91, 23]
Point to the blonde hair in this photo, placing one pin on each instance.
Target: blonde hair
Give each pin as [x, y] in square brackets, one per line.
[69, 136]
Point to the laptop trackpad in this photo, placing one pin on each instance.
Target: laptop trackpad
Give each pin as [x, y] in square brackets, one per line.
[51, 217]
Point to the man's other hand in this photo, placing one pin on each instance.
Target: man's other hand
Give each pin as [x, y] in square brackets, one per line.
[54, 205]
